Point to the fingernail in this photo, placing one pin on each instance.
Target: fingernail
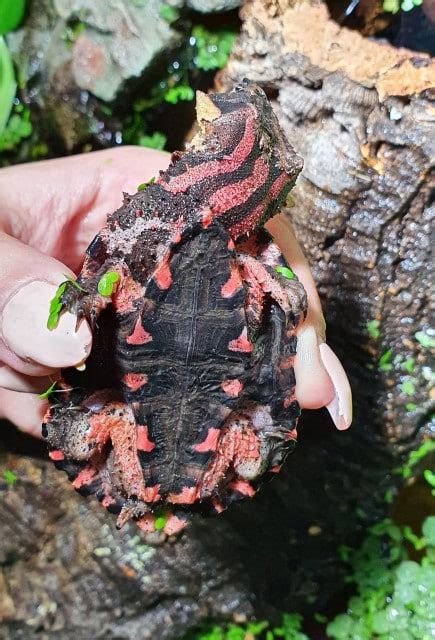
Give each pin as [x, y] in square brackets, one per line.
[24, 329]
[340, 407]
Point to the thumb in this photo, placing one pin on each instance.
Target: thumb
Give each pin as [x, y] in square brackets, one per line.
[28, 282]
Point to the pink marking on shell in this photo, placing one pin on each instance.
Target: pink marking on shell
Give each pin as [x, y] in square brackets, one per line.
[85, 476]
[135, 381]
[206, 218]
[187, 496]
[151, 494]
[126, 293]
[146, 523]
[210, 442]
[162, 275]
[107, 501]
[232, 387]
[233, 284]
[243, 487]
[249, 221]
[241, 344]
[56, 455]
[139, 335]
[143, 442]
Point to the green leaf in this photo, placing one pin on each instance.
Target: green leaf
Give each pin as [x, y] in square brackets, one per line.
[408, 387]
[48, 392]
[212, 47]
[11, 14]
[425, 340]
[384, 361]
[372, 327]
[180, 92]
[55, 307]
[8, 84]
[106, 282]
[429, 476]
[428, 530]
[286, 272]
[408, 365]
[144, 185]
[168, 14]
[155, 141]
[9, 477]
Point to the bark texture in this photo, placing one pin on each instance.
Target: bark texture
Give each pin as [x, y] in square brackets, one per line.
[358, 112]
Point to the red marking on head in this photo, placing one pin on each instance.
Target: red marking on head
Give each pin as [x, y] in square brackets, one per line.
[138, 213]
[236, 193]
[241, 343]
[193, 175]
[243, 487]
[187, 496]
[139, 335]
[231, 246]
[210, 442]
[277, 186]
[162, 275]
[143, 441]
[233, 284]
[206, 217]
[176, 239]
[248, 223]
[47, 416]
[135, 381]
[127, 291]
[56, 455]
[232, 387]
[174, 525]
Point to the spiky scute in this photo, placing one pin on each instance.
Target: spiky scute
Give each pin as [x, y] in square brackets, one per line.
[187, 399]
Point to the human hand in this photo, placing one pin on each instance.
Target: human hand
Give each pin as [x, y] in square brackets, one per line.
[49, 212]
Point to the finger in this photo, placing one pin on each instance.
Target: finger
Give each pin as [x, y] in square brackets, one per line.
[28, 281]
[14, 381]
[70, 198]
[24, 410]
[321, 380]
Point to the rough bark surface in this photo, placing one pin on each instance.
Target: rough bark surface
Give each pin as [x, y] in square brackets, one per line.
[362, 213]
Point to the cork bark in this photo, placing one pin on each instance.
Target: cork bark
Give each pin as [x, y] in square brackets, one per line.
[359, 114]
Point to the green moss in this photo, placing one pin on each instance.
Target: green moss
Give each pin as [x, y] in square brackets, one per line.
[394, 6]
[384, 363]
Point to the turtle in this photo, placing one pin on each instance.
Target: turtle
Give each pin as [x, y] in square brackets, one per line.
[187, 401]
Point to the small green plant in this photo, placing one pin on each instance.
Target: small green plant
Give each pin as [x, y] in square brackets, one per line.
[107, 282]
[180, 92]
[212, 47]
[168, 14]
[55, 307]
[156, 140]
[372, 328]
[289, 629]
[9, 477]
[393, 6]
[47, 393]
[425, 339]
[286, 272]
[385, 361]
[144, 185]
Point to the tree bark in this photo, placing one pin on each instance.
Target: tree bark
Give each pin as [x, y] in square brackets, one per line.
[358, 113]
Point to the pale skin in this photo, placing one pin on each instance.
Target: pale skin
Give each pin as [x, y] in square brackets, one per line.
[49, 212]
